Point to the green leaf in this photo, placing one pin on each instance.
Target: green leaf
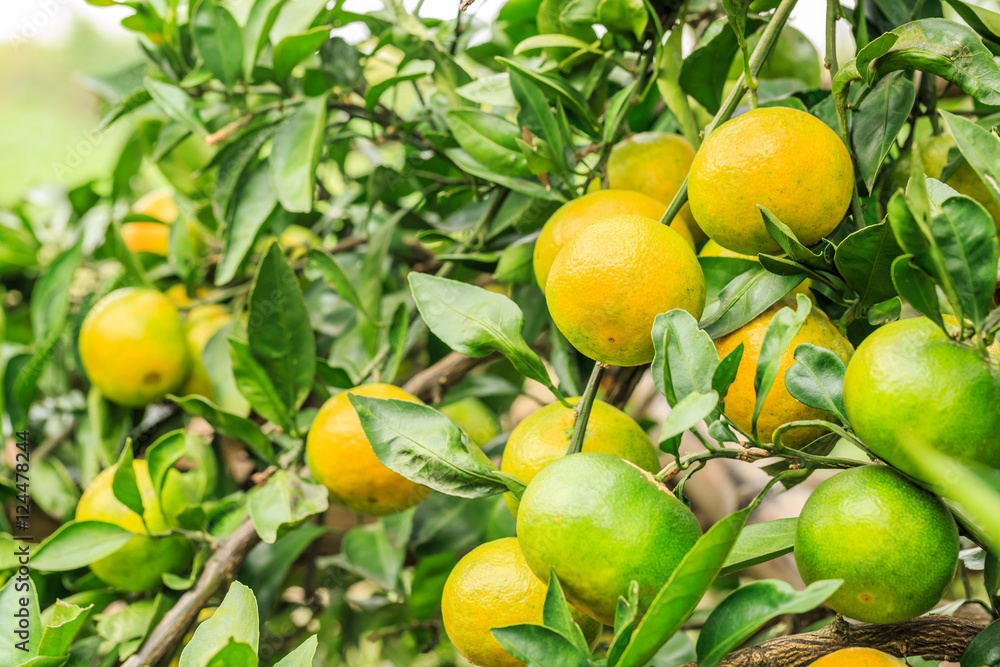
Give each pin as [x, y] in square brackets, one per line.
[557, 89]
[261, 19]
[746, 297]
[705, 71]
[476, 322]
[626, 616]
[302, 656]
[424, 446]
[690, 411]
[984, 649]
[980, 19]
[235, 654]
[50, 296]
[967, 238]
[295, 152]
[745, 611]
[623, 16]
[254, 202]
[256, 386]
[885, 311]
[537, 116]
[781, 330]
[334, 273]
[785, 237]
[466, 163]
[238, 428]
[489, 139]
[539, 645]
[817, 379]
[876, 123]
[914, 285]
[16, 649]
[176, 104]
[267, 566]
[864, 259]
[293, 49]
[678, 598]
[556, 615]
[725, 372]
[285, 500]
[494, 90]
[78, 543]
[411, 71]
[684, 359]
[553, 39]
[235, 620]
[66, 621]
[761, 542]
[279, 332]
[124, 485]
[217, 36]
[515, 486]
[233, 161]
[375, 552]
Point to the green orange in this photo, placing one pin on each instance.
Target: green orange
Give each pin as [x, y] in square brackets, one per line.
[544, 435]
[599, 523]
[785, 160]
[858, 657]
[341, 458]
[611, 280]
[574, 215]
[143, 560]
[909, 382]
[133, 346]
[893, 544]
[492, 587]
[779, 406]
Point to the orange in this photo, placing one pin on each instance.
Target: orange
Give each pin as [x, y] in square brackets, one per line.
[858, 657]
[203, 322]
[143, 560]
[544, 435]
[151, 237]
[779, 406]
[894, 545]
[574, 215]
[178, 294]
[492, 587]
[783, 159]
[713, 249]
[613, 278]
[133, 346]
[655, 164]
[158, 204]
[341, 458]
[967, 182]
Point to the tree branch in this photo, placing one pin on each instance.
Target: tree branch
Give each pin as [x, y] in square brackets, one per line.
[934, 637]
[219, 570]
[430, 382]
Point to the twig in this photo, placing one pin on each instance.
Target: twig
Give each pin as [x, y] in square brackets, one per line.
[219, 570]
[934, 637]
[464, 7]
[430, 382]
[581, 412]
[625, 382]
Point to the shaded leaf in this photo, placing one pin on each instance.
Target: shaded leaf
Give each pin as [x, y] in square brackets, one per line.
[817, 379]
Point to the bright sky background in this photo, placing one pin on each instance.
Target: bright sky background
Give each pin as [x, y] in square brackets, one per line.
[49, 20]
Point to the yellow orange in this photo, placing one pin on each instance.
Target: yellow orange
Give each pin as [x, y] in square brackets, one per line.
[151, 237]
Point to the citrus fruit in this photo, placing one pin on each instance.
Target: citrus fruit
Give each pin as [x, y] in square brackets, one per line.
[133, 346]
[894, 544]
[473, 417]
[600, 522]
[574, 215]
[967, 182]
[544, 435]
[783, 159]
[203, 322]
[296, 240]
[179, 296]
[779, 406]
[151, 237]
[158, 204]
[910, 382]
[858, 657]
[952, 322]
[655, 164]
[492, 587]
[612, 278]
[713, 249]
[341, 458]
[143, 560]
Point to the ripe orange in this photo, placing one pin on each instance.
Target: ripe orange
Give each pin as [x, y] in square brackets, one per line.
[613, 278]
[143, 560]
[574, 215]
[544, 435]
[655, 164]
[151, 237]
[133, 346]
[858, 657]
[779, 406]
[786, 160]
[492, 587]
[157, 204]
[341, 458]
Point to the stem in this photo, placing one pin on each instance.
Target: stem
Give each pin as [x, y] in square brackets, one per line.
[861, 31]
[832, 14]
[582, 409]
[767, 41]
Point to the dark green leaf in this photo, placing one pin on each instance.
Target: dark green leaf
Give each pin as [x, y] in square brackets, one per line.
[423, 445]
[984, 649]
[706, 69]
[539, 645]
[761, 542]
[335, 274]
[371, 552]
[256, 386]
[238, 428]
[266, 567]
[864, 259]
[746, 297]
[253, 204]
[295, 152]
[876, 123]
[293, 49]
[558, 89]
[233, 161]
[914, 285]
[124, 485]
[217, 36]
[886, 311]
[626, 616]
[261, 19]
[725, 372]
[785, 237]
[744, 611]
[536, 115]
[817, 379]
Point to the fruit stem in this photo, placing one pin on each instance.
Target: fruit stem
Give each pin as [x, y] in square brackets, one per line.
[832, 14]
[768, 38]
[582, 410]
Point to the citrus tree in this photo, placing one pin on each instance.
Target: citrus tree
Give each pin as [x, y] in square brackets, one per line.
[263, 385]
